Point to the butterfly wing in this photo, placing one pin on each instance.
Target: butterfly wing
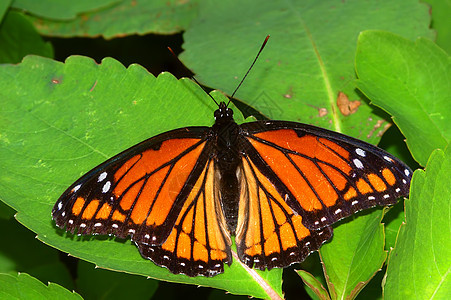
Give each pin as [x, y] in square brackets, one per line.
[151, 192]
[322, 175]
[297, 180]
[269, 233]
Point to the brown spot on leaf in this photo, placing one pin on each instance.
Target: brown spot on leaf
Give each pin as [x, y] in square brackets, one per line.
[289, 93]
[377, 126]
[93, 87]
[347, 107]
[322, 112]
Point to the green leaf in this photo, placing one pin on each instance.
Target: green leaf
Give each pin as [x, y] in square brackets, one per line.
[125, 18]
[440, 22]
[419, 266]
[60, 120]
[18, 38]
[4, 5]
[23, 286]
[355, 254]
[393, 220]
[313, 284]
[307, 61]
[411, 81]
[60, 9]
[15, 255]
[95, 283]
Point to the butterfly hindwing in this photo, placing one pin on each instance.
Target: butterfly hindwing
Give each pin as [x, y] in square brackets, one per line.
[269, 233]
[199, 243]
[325, 176]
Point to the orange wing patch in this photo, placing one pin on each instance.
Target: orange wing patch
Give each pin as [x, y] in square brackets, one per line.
[269, 234]
[199, 243]
[305, 165]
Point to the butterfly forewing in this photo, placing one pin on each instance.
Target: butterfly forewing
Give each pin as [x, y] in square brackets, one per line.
[137, 192]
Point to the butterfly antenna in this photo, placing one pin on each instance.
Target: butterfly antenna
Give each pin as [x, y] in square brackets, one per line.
[245, 75]
[192, 77]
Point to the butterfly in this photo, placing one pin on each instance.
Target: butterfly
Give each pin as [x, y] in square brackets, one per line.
[276, 186]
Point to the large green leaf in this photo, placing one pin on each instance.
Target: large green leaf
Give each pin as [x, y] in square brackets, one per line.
[60, 120]
[19, 38]
[23, 286]
[419, 266]
[60, 9]
[308, 60]
[411, 81]
[125, 18]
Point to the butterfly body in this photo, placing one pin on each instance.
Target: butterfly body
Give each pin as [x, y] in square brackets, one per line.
[276, 186]
[227, 157]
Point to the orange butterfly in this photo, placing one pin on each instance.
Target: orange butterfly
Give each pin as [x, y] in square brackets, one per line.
[276, 186]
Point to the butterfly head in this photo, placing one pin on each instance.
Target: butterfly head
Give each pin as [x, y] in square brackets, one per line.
[223, 114]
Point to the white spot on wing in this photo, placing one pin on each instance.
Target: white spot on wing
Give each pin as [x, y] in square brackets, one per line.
[102, 176]
[115, 226]
[60, 205]
[388, 158]
[354, 202]
[76, 188]
[404, 181]
[398, 190]
[371, 198]
[323, 219]
[147, 236]
[337, 211]
[360, 152]
[106, 187]
[386, 196]
[71, 222]
[131, 231]
[407, 172]
[63, 214]
[357, 163]
[97, 224]
[82, 225]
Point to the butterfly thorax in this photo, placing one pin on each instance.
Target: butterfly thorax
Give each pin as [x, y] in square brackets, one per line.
[227, 157]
